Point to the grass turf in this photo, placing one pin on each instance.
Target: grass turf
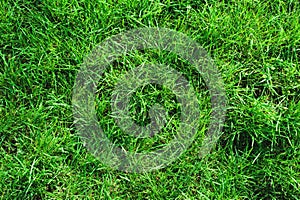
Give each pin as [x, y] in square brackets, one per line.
[256, 46]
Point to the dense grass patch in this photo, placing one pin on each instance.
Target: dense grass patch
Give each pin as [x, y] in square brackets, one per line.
[256, 46]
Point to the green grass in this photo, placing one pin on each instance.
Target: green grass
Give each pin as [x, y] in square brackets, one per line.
[256, 46]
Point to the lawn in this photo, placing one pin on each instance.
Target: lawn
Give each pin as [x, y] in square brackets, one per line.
[255, 46]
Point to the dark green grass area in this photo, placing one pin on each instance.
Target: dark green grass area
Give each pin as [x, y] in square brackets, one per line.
[256, 47]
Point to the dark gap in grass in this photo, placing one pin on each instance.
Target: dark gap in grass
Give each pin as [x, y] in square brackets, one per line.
[9, 145]
[71, 126]
[258, 92]
[267, 186]
[37, 197]
[245, 141]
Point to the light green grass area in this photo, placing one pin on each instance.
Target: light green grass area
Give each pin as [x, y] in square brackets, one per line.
[254, 44]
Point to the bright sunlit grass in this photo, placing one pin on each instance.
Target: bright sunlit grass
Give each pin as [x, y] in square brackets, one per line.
[256, 47]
